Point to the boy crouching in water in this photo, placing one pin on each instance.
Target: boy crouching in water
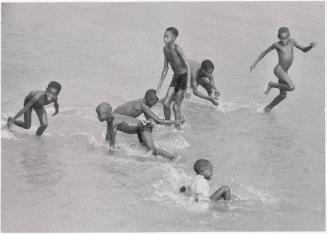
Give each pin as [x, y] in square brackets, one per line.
[36, 100]
[128, 125]
[199, 188]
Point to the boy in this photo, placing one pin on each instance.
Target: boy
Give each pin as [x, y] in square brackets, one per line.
[285, 55]
[128, 125]
[143, 106]
[199, 188]
[37, 100]
[202, 75]
[181, 79]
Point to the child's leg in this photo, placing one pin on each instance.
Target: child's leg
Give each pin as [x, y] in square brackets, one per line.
[42, 115]
[286, 85]
[282, 95]
[166, 104]
[147, 139]
[27, 120]
[177, 105]
[223, 193]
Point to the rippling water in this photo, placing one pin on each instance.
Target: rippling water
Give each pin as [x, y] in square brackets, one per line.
[66, 181]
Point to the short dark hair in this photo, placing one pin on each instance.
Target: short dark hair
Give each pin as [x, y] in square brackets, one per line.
[201, 165]
[207, 64]
[55, 85]
[283, 30]
[173, 30]
[150, 93]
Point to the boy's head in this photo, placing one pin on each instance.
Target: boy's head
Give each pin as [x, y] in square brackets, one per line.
[104, 111]
[170, 36]
[207, 67]
[52, 91]
[283, 34]
[203, 167]
[151, 97]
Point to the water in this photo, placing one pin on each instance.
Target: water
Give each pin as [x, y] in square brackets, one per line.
[66, 181]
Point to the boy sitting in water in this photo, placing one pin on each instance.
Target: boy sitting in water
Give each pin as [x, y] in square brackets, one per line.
[37, 100]
[202, 75]
[143, 106]
[181, 79]
[128, 125]
[199, 188]
[285, 55]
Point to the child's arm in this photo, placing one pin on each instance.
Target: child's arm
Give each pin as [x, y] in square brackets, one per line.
[184, 60]
[111, 136]
[150, 115]
[56, 106]
[201, 95]
[263, 54]
[213, 85]
[163, 74]
[25, 108]
[304, 49]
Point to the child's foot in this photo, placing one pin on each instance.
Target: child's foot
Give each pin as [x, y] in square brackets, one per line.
[267, 88]
[267, 109]
[9, 122]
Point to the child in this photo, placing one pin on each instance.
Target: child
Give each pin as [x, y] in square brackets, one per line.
[181, 79]
[202, 75]
[128, 125]
[143, 106]
[285, 55]
[37, 100]
[199, 188]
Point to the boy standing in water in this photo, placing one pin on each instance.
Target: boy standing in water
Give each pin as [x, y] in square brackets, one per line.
[181, 79]
[202, 75]
[37, 100]
[285, 55]
[199, 188]
[128, 125]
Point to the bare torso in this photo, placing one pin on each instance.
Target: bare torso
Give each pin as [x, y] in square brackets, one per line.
[175, 60]
[132, 108]
[285, 54]
[40, 98]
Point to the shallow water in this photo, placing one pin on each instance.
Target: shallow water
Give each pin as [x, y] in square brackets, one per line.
[66, 181]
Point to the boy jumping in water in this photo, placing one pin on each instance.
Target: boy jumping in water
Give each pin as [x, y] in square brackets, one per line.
[37, 100]
[202, 75]
[128, 125]
[199, 188]
[181, 79]
[143, 106]
[285, 55]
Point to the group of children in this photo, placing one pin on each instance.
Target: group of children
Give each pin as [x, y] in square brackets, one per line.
[188, 75]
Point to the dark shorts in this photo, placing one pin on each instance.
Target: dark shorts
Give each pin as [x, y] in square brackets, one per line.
[141, 127]
[179, 82]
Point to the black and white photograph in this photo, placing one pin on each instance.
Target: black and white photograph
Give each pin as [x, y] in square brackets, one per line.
[180, 116]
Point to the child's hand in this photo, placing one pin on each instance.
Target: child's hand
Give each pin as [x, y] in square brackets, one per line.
[313, 44]
[188, 93]
[214, 101]
[252, 67]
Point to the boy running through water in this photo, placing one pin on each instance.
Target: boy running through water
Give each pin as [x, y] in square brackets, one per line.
[284, 49]
[37, 100]
[181, 79]
[129, 125]
[202, 75]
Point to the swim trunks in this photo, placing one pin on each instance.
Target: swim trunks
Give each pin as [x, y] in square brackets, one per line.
[179, 82]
